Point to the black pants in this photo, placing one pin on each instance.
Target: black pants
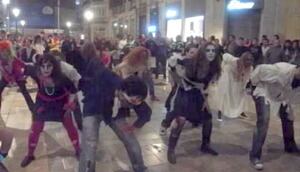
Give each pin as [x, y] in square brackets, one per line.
[169, 116]
[161, 63]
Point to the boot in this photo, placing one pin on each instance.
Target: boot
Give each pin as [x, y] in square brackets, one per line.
[27, 160]
[206, 134]
[173, 139]
[290, 145]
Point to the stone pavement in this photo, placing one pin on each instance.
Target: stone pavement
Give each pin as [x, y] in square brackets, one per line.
[231, 138]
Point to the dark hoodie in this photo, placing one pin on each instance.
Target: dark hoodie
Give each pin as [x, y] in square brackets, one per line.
[98, 85]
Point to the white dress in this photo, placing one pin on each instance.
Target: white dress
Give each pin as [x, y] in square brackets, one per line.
[232, 98]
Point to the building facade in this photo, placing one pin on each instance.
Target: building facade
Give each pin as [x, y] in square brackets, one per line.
[196, 17]
[98, 27]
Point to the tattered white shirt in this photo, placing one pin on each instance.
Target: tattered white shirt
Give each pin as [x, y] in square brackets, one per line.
[274, 82]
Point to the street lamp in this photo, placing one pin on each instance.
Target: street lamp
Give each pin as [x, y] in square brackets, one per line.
[23, 23]
[89, 16]
[16, 12]
[69, 25]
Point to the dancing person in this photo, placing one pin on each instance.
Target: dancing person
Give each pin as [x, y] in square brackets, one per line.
[190, 101]
[54, 102]
[231, 85]
[71, 73]
[13, 71]
[271, 84]
[191, 52]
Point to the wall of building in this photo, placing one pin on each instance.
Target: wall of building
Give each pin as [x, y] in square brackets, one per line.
[215, 18]
[281, 17]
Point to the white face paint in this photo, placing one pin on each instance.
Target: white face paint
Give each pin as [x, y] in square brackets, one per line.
[210, 52]
[46, 69]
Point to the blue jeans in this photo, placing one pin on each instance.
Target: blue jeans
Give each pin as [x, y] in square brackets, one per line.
[262, 125]
[90, 136]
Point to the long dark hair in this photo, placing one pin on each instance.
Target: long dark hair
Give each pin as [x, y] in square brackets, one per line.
[89, 51]
[56, 74]
[215, 65]
[195, 66]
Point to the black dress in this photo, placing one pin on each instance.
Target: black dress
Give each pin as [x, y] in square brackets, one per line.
[189, 103]
[50, 101]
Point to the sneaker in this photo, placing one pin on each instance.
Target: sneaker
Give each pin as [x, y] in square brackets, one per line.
[27, 160]
[163, 131]
[257, 164]
[209, 150]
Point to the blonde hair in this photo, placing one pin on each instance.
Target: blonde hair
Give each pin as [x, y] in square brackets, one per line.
[135, 57]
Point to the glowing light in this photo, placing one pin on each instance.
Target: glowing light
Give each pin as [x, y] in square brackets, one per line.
[68, 24]
[171, 13]
[23, 22]
[16, 12]
[116, 24]
[88, 15]
[152, 29]
[82, 36]
[5, 2]
[237, 5]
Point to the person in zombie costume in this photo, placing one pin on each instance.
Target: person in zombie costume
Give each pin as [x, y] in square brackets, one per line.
[13, 70]
[54, 102]
[192, 52]
[231, 85]
[72, 74]
[190, 100]
[277, 86]
[213, 57]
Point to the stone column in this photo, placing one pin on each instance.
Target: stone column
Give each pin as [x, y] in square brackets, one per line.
[215, 18]
[182, 18]
[162, 18]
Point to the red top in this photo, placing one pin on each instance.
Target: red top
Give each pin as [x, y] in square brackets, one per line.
[106, 58]
[16, 73]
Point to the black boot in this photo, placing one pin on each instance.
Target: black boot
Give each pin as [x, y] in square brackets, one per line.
[173, 139]
[290, 145]
[206, 134]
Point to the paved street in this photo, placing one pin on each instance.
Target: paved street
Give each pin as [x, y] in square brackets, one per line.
[231, 138]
